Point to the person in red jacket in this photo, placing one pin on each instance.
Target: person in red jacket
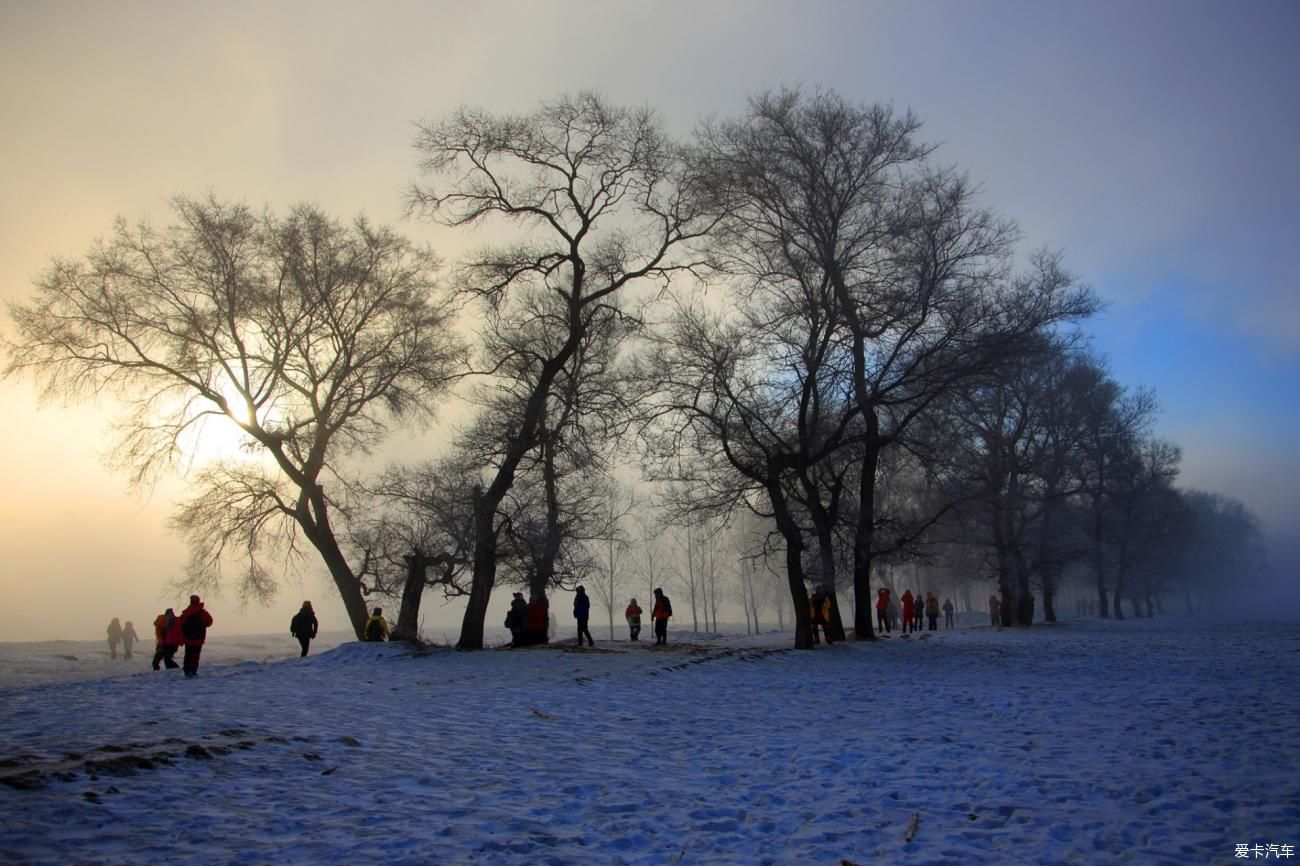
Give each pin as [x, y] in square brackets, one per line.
[193, 625]
[906, 598]
[662, 610]
[882, 609]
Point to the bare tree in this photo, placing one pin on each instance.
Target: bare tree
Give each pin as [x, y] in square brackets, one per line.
[611, 557]
[918, 272]
[600, 198]
[308, 336]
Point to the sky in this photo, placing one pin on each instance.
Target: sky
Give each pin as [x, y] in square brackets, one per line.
[1152, 143]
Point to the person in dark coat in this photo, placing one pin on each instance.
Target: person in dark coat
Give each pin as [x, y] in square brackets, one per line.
[662, 610]
[303, 626]
[517, 620]
[582, 612]
[948, 611]
[164, 649]
[932, 610]
[193, 624]
[819, 609]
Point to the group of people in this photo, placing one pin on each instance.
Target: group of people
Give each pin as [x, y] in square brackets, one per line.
[172, 631]
[916, 610]
[528, 620]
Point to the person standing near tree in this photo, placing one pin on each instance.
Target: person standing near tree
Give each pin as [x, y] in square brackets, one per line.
[882, 609]
[995, 611]
[164, 649]
[303, 626]
[582, 613]
[517, 620]
[193, 624]
[376, 627]
[633, 615]
[819, 608]
[660, 613]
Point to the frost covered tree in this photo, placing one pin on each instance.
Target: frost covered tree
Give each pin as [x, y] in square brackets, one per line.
[306, 336]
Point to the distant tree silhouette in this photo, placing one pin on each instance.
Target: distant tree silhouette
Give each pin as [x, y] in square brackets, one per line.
[308, 335]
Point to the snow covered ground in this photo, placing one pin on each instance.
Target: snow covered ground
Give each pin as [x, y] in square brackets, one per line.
[1087, 742]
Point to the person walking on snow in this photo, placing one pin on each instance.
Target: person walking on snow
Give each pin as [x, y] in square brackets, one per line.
[129, 637]
[164, 650]
[193, 624]
[882, 609]
[633, 615]
[114, 637]
[582, 612]
[948, 611]
[995, 611]
[662, 610]
[907, 611]
[303, 626]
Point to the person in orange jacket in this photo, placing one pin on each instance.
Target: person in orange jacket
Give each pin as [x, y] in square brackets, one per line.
[193, 625]
[819, 606]
[882, 609]
[164, 651]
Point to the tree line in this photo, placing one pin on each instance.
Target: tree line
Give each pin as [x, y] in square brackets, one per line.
[799, 315]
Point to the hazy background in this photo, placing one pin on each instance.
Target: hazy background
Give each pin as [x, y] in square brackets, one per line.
[1154, 142]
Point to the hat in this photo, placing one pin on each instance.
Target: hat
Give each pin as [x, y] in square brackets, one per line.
[377, 611]
[519, 595]
[194, 599]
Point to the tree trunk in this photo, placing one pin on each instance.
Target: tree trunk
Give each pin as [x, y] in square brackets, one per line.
[408, 615]
[484, 575]
[863, 538]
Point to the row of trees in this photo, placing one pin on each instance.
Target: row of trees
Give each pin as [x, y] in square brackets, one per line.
[797, 315]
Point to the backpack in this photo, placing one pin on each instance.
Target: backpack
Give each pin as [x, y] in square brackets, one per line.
[374, 630]
[194, 628]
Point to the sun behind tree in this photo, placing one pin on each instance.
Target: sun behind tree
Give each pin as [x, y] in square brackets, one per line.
[306, 336]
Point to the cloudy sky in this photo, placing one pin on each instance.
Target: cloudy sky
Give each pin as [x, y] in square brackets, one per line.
[1153, 142]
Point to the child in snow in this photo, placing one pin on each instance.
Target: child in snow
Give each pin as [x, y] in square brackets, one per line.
[633, 616]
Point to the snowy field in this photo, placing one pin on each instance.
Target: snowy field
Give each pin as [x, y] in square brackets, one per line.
[1086, 742]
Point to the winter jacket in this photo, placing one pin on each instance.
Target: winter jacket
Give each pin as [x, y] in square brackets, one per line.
[194, 610]
[537, 617]
[882, 598]
[932, 606]
[581, 606]
[908, 609]
[383, 627]
[633, 614]
[304, 624]
[947, 607]
[162, 625]
[518, 614]
[663, 607]
[819, 607]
